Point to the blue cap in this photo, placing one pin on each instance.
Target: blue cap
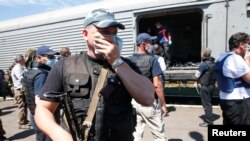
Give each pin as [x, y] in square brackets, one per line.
[101, 18]
[142, 37]
[45, 50]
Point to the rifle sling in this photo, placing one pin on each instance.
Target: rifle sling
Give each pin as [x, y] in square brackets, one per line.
[93, 104]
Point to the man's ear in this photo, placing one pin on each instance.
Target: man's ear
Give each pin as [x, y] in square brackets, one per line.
[241, 45]
[84, 34]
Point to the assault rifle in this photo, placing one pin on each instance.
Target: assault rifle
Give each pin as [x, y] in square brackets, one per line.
[68, 108]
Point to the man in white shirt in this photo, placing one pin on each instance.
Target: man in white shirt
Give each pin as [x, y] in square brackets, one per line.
[233, 80]
[17, 75]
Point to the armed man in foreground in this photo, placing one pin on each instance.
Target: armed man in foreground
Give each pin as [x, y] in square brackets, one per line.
[77, 75]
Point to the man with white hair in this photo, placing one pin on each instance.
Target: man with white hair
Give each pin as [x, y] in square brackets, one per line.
[206, 79]
[17, 75]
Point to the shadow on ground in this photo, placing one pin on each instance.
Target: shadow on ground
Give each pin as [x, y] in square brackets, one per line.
[171, 109]
[7, 110]
[10, 107]
[6, 113]
[175, 140]
[22, 135]
[216, 117]
[196, 136]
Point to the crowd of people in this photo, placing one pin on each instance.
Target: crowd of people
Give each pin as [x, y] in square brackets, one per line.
[23, 79]
[231, 72]
[133, 94]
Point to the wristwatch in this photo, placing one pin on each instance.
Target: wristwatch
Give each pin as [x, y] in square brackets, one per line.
[117, 63]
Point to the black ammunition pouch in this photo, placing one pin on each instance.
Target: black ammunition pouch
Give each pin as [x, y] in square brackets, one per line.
[78, 85]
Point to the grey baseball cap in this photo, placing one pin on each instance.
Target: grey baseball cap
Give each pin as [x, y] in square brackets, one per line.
[142, 37]
[101, 18]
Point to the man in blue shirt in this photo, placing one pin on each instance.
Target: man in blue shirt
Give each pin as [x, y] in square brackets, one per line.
[206, 79]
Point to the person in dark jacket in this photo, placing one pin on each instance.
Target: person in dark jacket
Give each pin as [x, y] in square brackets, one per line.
[33, 81]
[2, 85]
[206, 80]
[2, 131]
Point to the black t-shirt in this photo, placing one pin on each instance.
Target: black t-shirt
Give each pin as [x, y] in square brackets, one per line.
[117, 113]
[54, 81]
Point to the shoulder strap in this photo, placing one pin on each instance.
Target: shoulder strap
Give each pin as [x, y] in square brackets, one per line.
[219, 64]
[93, 104]
[224, 59]
[208, 68]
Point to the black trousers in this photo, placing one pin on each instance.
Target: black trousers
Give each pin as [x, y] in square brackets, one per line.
[206, 93]
[119, 128]
[235, 112]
